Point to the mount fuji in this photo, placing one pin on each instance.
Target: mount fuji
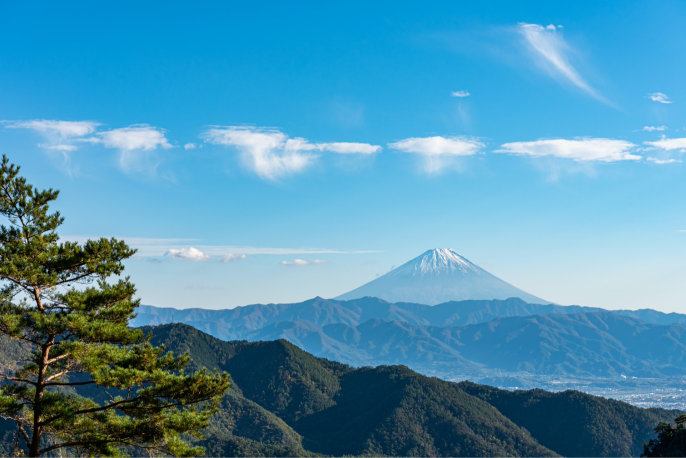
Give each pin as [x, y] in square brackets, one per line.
[438, 276]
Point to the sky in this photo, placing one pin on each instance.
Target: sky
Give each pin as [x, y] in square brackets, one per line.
[278, 151]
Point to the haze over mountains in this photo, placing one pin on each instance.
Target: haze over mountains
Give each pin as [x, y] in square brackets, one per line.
[472, 337]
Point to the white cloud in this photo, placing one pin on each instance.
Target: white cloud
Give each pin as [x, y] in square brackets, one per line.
[652, 128]
[136, 137]
[158, 247]
[439, 146]
[231, 257]
[189, 146]
[61, 147]
[552, 54]
[188, 254]
[300, 262]
[136, 145]
[62, 129]
[460, 94]
[663, 161]
[62, 136]
[580, 150]
[58, 133]
[659, 97]
[271, 154]
[439, 153]
[669, 144]
[349, 148]
[266, 152]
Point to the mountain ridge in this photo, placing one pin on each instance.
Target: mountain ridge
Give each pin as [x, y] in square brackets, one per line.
[513, 336]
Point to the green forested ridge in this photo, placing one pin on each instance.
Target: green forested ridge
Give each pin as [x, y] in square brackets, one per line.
[286, 402]
[335, 409]
[607, 427]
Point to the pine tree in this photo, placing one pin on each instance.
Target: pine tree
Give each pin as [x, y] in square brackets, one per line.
[55, 298]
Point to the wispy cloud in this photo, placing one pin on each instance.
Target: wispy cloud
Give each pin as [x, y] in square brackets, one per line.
[460, 94]
[653, 128]
[437, 151]
[580, 149]
[59, 134]
[669, 144]
[160, 246]
[349, 148]
[193, 254]
[188, 146]
[230, 257]
[300, 262]
[133, 143]
[61, 147]
[659, 97]
[439, 146]
[663, 161]
[63, 129]
[188, 254]
[552, 53]
[64, 136]
[271, 154]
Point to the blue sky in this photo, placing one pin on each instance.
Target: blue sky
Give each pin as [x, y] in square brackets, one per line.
[278, 151]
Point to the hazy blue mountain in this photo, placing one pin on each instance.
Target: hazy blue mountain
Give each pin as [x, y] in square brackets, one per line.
[437, 276]
[468, 337]
[585, 344]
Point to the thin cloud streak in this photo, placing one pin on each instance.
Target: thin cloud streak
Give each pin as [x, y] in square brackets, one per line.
[552, 53]
[300, 262]
[159, 246]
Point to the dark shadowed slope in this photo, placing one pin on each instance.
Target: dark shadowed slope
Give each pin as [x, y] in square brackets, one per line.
[333, 409]
[337, 410]
[574, 423]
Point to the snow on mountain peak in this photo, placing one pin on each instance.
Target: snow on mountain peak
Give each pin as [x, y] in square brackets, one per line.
[438, 261]
[437, 276]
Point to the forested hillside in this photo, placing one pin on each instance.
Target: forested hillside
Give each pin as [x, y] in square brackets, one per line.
[392, 410]
[286, 402]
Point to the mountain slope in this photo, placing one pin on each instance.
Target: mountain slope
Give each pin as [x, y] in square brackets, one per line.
[437, 276]
[395, 411]
[286, 402]
[337, 410]
[608, 427]
[582, 344]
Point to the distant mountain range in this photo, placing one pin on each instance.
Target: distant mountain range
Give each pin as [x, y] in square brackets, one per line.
[440, 313]
[437, 276]
[464, 337]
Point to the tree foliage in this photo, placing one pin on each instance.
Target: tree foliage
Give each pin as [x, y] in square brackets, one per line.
[671, 439]
[55, 297]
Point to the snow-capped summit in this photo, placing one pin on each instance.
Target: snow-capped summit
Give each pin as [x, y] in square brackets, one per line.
[437, 276]
[436, 262]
